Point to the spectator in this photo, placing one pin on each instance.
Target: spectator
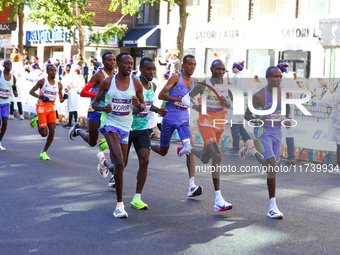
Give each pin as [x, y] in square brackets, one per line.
[18, 72]
[240, 80]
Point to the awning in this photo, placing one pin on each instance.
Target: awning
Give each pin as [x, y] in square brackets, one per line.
[142, 37]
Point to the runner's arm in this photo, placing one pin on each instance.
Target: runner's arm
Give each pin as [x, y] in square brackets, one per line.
[103, 87]
[172, 82]
[86, 90]
[139, 100]
[37, 86]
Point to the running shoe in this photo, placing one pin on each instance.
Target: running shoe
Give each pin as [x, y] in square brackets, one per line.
[245, 151]
[183, 150]
[21, 117]
[195, 191]
[274, 213]
[2, 148]
[73, 131]
[120, 212]
[103, 144]
[222, 205]
[102, 169]
[137, 203]
[43, 155]
[34, 122]
[11, 117]
[112, 182]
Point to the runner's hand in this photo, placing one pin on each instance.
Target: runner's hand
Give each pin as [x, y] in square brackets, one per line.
[135, 101]
[108, 108]
[44, 98]
[162, 111]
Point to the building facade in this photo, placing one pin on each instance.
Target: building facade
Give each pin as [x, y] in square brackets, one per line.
[259, 32]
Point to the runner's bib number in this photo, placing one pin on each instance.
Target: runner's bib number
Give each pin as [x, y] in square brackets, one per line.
[121, 107]
[146, 110]
[4, 93]
[51, 96]
[180, 105]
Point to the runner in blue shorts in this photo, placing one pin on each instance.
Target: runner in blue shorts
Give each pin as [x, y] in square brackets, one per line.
[7, 82]
[91, 90]
[123, 92]
[178, 119]
[268, 133]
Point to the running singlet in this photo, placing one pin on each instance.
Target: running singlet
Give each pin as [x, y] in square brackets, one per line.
[140, 121]
[177, 111]
[5, 89]
[214, 108]
[272, 127]
[50, 91]
[121, 102]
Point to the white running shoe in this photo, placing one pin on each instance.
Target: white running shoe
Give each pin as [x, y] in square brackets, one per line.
[73, 131]
[184, 149]
[274, 213]
[195, 191]
[120, 212]
[11, 117]
[22, 117]
[242, 153]
[245, 151]
[222, 205]
[102, 169]
[2, 148]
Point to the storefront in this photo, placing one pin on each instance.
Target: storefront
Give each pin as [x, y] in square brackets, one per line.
[142, 42]
[6, 46]
[259, 43]
[45, 44]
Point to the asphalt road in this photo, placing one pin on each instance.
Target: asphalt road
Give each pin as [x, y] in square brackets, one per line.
[63, 206]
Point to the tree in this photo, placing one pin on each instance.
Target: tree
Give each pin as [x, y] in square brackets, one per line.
[132, 7]
[64, 13]
[183, 16]
[16, 7]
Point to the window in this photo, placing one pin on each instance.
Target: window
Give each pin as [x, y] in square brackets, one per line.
[223, 54]
[220, 9]
[332, 60]
[259, 60]
[195, 11]
[149, 15]
[173, 14]
[263, 8]
[316, 7]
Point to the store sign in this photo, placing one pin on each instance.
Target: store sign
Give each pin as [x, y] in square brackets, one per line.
[44, 36]
[300, 33]
[225, 34]
[6, 28]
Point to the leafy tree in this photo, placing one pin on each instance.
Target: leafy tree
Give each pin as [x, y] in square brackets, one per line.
[64, 13]
[16, 7]
[132, 7]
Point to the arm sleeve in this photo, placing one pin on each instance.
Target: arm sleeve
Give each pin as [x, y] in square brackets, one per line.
[86, 91]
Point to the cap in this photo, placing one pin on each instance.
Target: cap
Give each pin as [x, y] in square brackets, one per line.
[239, 65]
[283, 67]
